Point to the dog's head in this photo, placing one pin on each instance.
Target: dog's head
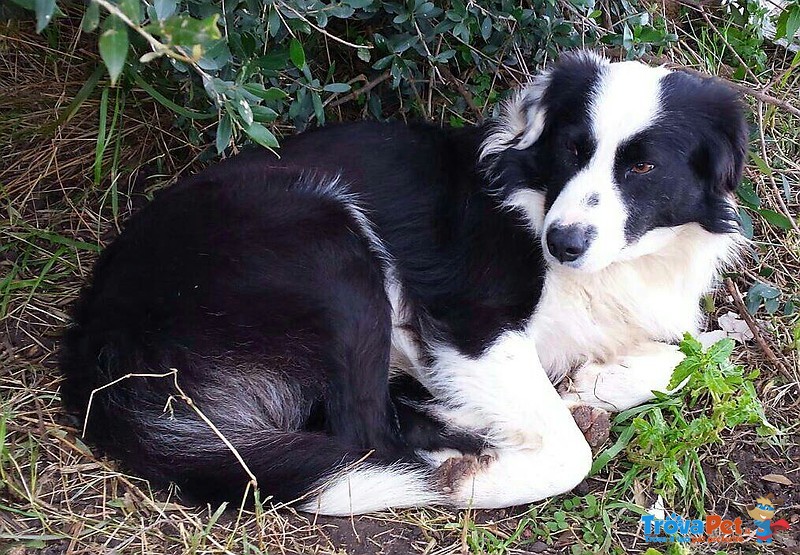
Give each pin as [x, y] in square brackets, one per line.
[606, 159]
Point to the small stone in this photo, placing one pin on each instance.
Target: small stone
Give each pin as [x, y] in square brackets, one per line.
[538, 547]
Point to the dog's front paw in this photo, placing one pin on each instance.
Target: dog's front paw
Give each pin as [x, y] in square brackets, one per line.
[455, 471]
[593, 422]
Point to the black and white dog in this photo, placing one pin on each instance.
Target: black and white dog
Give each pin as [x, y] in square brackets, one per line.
[378, 318]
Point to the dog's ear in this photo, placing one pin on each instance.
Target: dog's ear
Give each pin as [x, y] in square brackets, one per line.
[521, 120]
[531, 112]
[569, 78]
[723, 154]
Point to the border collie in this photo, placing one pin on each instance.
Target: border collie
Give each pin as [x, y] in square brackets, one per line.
[378, 317]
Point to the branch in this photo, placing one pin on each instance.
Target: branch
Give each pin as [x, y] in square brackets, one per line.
[365, 89]
[751, 323]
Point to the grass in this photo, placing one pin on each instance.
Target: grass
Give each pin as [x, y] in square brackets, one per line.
[78, 157]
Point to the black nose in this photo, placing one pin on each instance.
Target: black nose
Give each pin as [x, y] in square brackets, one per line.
[568, 243]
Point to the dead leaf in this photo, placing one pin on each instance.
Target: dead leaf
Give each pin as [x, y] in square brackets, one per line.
[778, 479]
[735, 327]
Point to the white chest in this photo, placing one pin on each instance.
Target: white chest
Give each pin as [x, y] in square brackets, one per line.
[599, 316]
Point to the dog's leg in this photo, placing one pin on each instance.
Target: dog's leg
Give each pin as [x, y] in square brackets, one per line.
[538, 449]
[625, 383]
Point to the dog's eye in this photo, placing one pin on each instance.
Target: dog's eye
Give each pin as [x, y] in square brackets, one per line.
[572, 148]
[642, 168]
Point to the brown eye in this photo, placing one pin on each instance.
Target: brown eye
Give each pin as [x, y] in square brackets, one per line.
[642, 168]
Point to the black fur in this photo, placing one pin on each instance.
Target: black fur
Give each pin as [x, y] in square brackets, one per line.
[252, 272]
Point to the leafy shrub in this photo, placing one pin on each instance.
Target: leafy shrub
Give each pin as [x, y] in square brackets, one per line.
[250, 64]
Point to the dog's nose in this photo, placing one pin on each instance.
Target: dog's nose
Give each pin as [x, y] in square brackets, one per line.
[568, 243]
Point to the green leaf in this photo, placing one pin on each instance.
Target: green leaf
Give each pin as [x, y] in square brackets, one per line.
[319, 111]
[246, 113]
[44, 13]
[771, 306]
[605, 457]
[685, 368]
[788, 23]
[486, 28]
[132, 9]
[224, 133]
[297, 54]
[721, 351]
[164, 8]
[91, 17]
[26, 4]
[793, 22]
[336, 88]
[752, 302]
[761, 164]
[274, 61]
[262, 135]
[114, 48]
[182, 30]
[690, 346]
[747, 223]
[748, 195]
[263, 114]
[191, 114]
[776, 219]
[273, 93]
[760, 290]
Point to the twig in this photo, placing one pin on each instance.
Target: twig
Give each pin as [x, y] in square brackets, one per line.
[462, 90]
[321, 30]
[185, 398]
[158, 46]
[366, 88]
[726, 43]
[111, 384]
[188, 400]
[751, 323]
[744, 89]
[155, 43]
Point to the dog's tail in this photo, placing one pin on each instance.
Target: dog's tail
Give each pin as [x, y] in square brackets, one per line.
[142, 420]
[314, 470]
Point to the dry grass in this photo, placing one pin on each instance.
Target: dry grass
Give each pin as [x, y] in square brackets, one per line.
[57, 497]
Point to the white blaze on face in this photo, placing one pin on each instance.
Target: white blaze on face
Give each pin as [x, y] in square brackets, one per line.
[624, 102]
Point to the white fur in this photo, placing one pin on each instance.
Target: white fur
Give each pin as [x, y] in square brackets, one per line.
[372, 488]
[505, 393]
[627, 382]
[531, 203]
[521, 476]
[598, 317]
[521, 119]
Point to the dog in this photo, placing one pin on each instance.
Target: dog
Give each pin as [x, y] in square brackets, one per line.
[380, 316]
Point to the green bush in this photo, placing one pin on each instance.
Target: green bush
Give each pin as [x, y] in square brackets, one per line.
[252, 64]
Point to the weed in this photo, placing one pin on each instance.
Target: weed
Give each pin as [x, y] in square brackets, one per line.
[663, 440]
